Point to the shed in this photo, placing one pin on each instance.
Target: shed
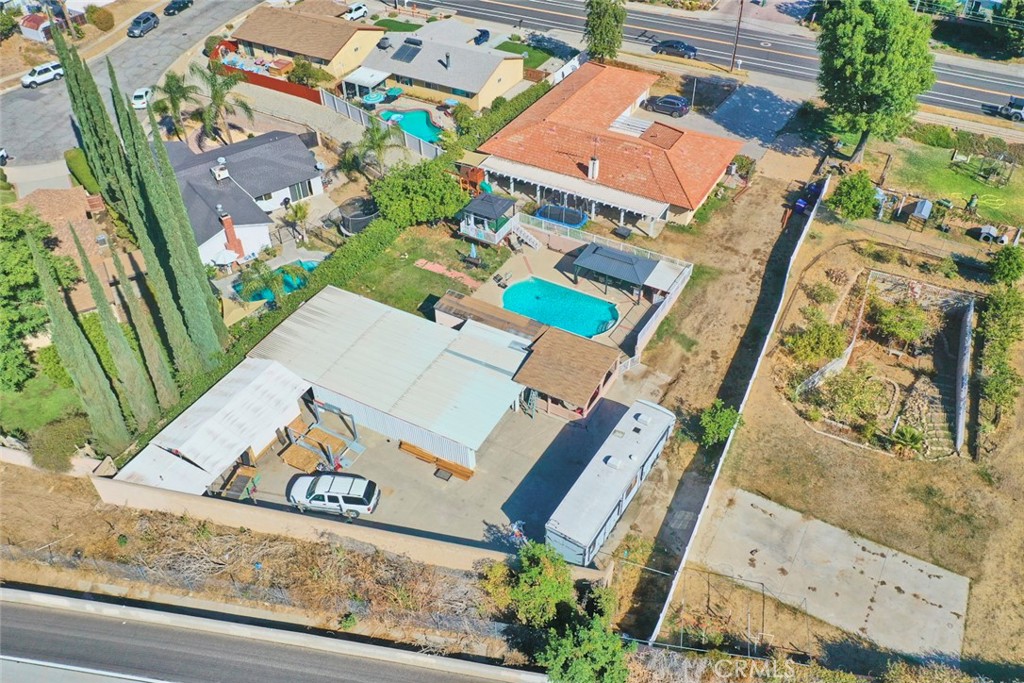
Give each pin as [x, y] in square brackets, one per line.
[590, 510]
[239, 415]
[922, 212]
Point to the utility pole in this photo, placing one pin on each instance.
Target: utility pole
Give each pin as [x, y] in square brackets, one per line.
[736, 42]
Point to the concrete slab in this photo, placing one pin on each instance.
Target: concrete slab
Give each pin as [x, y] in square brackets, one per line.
[898, 601]
[49, 176]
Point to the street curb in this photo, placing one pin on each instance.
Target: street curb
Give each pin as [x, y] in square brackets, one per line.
[269, 635]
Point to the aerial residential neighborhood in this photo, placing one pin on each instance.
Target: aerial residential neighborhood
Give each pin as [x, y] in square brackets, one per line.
[582, 341]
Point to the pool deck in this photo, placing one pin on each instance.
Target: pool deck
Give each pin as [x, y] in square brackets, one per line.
[557, 268]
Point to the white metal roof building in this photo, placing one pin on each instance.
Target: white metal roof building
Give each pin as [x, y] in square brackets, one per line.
[587, 515]
[400, 375]
[241, 411]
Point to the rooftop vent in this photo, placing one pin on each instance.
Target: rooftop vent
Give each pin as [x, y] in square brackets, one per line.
[384, 43]
[220, 210]
[221, 160]
[613, 462]
[593, 169]
[643, 419]
[418, 42]
[618, 433]
[220, 171]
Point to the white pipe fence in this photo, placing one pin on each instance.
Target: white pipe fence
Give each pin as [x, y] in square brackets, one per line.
[362, 117]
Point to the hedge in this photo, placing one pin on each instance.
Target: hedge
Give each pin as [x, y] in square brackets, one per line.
[500, 115]
[80, 171]
[100, 17]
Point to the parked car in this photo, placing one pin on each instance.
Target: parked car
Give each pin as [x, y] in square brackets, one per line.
[355, 11]
[44, 73]
[482, 36]
[143, 24]
[142, 97]
[1014, 109]
[675, 48]
[338, 494]
[176, 7]
[673, 105]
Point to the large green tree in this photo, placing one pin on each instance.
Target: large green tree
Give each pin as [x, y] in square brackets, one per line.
[603, 28]
[175, 92]
[21, 312]
[157, 363]
[875, 61]
[218, 84]
[408, 195]
[854, 197]
[136, 390]
[1010, 18]
[585, 652]
[108, 425]
[1008, 264]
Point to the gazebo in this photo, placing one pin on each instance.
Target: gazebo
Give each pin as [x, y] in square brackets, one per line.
[486, 218]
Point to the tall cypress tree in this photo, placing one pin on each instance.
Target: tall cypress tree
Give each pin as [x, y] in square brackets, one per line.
[190, 291]
[108, 426]
[184, 227]
[130, 371]
[149, 341]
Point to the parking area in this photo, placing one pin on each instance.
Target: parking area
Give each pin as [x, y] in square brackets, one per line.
[523, 471]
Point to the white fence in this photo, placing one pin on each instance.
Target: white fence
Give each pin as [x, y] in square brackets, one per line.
[963, 372]
[535, 223]
[746, 396]
[568, 68]
[362, 117]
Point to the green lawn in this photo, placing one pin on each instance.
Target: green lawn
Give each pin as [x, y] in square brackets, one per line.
[39, 402]
[395, 280]
[927, 170]
[397, 26]
[535, 56]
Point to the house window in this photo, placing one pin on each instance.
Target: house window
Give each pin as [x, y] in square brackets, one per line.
[263, 197]
[300, 190]
[403, 80]
[461, 93]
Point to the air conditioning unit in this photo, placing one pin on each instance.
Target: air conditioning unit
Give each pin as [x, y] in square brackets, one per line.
[220, 172]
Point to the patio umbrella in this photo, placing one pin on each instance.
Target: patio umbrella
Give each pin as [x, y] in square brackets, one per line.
[451, 102]
[472, 250]
[395, 92]
[373, 98]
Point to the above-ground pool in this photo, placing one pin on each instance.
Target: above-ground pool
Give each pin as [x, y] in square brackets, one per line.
[562, 214]
[290, 283]
[415, 122]
[560, 307]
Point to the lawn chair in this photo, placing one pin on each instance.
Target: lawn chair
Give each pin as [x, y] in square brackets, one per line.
[497, 279]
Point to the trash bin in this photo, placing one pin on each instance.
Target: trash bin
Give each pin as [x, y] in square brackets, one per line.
[801, 206]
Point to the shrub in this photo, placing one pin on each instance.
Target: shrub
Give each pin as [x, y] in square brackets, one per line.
[744, 165]
[8, 24]
[516, 38]
[1008, 265]
[463, 116]
[536, 585]
[308, 74]
[817, 342]
[586, 652]
[52, 445]
[374, 17]
[49, 364]
[431, 20]
[854, 197]
[80, 171]
[100, 17]
[821, 293]
[716, 423]
[498, 103]
[210, 43]
[905, 321]
[852, 396]
[483, 127]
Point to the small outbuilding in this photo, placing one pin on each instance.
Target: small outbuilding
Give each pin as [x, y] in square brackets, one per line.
[587, 515]
[486, 218]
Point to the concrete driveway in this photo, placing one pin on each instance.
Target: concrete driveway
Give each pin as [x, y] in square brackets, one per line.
[36, 124]
[898, 601]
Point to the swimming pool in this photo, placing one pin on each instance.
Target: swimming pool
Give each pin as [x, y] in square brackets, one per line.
[416, 122]
[560, 307]
[290, 283]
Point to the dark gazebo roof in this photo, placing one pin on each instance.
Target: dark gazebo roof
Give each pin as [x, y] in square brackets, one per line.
[614, 263]
[489, 206]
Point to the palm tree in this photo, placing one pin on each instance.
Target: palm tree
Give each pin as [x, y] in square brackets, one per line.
[378, 139]
[259, 277]
[176, 92]
[218, 85]
[297, 215]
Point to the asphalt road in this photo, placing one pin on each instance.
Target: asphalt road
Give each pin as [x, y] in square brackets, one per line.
[35, 125]
[170, 654]
[791, 56]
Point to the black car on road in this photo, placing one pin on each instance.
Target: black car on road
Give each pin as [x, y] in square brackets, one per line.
[675, 48]
[176, 7]
[673, 105]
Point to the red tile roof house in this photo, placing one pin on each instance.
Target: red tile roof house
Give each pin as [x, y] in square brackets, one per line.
[580, 141]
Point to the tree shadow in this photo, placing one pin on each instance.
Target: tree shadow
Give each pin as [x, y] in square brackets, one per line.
[755, 113]
[797, 9]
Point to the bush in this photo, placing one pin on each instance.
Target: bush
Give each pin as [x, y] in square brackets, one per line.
[821, 293]
[8, 24]
[854, 197]
[100, 17]
[463, 116]
[431, 20]
[49, 364]
[586, 652]
[483, 127]
[744, 165]
[717, 422]
[536, 585]
[308, 74]
[210, 43]
[52, 445]
[852, 396]
[906, 321]
[1008, 265]
[80, 171]
[817, 342]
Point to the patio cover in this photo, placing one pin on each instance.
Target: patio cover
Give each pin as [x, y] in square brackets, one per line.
[596, 192]
[366, 77]
[617, 264]
[489, 206]
[663, 277]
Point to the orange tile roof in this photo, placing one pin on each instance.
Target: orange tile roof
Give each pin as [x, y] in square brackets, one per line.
[570, 124]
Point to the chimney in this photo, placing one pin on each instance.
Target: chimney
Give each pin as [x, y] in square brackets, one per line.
[220, 171]
[593, 169]
[232, 243]
[447, 60]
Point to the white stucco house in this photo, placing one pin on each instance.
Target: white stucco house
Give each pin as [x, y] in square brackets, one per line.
[229, 191]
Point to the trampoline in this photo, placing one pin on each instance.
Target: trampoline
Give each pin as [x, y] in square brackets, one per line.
[353, 216]
[563, 215]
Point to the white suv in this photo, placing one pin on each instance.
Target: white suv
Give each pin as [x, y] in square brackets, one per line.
[356, 11]
[44, 73]
[337, 494]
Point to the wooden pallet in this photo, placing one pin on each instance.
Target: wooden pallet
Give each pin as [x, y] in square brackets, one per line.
[301, 458]
[459, 471]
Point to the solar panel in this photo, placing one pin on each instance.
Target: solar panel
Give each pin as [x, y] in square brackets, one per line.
[406, 53]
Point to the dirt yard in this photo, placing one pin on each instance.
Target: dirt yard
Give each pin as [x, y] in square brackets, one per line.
[959, 514]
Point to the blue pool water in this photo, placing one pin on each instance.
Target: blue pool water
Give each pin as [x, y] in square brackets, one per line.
[290, 283]
[416, 122]
[560, 307]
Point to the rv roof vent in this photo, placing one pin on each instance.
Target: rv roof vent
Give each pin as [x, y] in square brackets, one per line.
[414, 41]
[613, 462]
[619, 433]
[643, 419]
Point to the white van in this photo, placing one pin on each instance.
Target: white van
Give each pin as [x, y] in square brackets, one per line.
[356, 11]
[337, 494]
